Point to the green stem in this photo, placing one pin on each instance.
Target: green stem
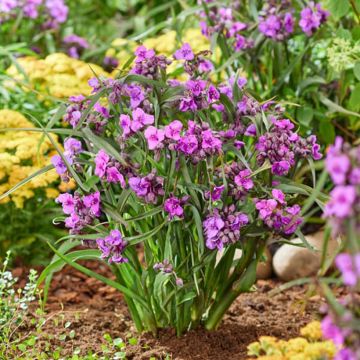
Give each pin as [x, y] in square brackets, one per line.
[239, 282]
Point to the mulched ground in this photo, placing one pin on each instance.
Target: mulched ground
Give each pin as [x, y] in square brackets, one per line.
[94, 309]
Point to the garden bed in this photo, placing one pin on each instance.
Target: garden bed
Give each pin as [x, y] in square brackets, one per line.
[85, 310]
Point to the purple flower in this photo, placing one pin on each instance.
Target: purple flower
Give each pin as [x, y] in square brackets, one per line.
[212, 226]
[243, 180]
[112, 247]
[187, 104]
[345, 354]
[250, 130]
[142, 53]
[173, 130]
[341, 203]
[92, 202]
[59, 164]
[215, 195]
[270, 26]
[188, 144]
[154, 137]
[266, 208]
[312, 17]
[277, 215]
[72, 147]
[67, 202]
[213, 94]
[210, 142]
[354, 176]
[78, 40]
[113, 175]
[280, 168]
[7, 5]
[101, 161]
[331, 332]
[288, 23]
[173, 206]
[136, 95]
[338, 167]
[102, 110]
[184, 53]
[205, 66]
[223, 228]
[73, 221]
[349, 267]
[140, 119]
[148, 187]
[139, 186]
[57, 10]
[125, 123]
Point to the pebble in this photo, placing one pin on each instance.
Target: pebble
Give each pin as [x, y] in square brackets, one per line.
[294, 262]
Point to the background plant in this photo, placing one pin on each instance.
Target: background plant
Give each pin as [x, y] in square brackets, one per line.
[342, 322]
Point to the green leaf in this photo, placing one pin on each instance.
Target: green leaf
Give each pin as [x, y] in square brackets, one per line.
[136, 239]
[357, 70]
[333, 107]
[354, 101]
[101, 143]
[109, 282]
[338, 8]
[305, 115]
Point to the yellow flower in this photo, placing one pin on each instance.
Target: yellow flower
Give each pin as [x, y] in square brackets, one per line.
[22, 153]
[312, 331]
[51, 193]
[57, 75]
[294, 349]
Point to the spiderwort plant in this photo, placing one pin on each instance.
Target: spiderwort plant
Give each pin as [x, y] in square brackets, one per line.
[172, 178]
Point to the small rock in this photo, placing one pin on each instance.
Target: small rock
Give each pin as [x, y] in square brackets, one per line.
[264, 268]
[294, 262]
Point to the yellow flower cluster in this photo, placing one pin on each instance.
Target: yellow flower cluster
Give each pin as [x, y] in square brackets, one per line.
[22, 153]
[165, 44]
[57, 75]
[308, 347]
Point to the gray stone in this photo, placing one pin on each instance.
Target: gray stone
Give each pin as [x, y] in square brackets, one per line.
[294, 262]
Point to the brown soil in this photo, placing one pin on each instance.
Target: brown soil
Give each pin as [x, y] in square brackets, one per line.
[94, 309]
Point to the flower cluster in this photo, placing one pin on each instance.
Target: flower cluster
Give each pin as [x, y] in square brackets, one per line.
[112, 247]
[109, 169]
[139, 120]
[166, 267]
[164, 44]
[148, 64]
[198, 95]
[312, 17]
[55, 12]
[282, 147]
[149, 187]
[276, 23]
[82, 210]
[309, 346]
[22, 153]
[223, 227]
[75, 45]
[238, 178]
[223, 21]
[343, 164]
[277, 215]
